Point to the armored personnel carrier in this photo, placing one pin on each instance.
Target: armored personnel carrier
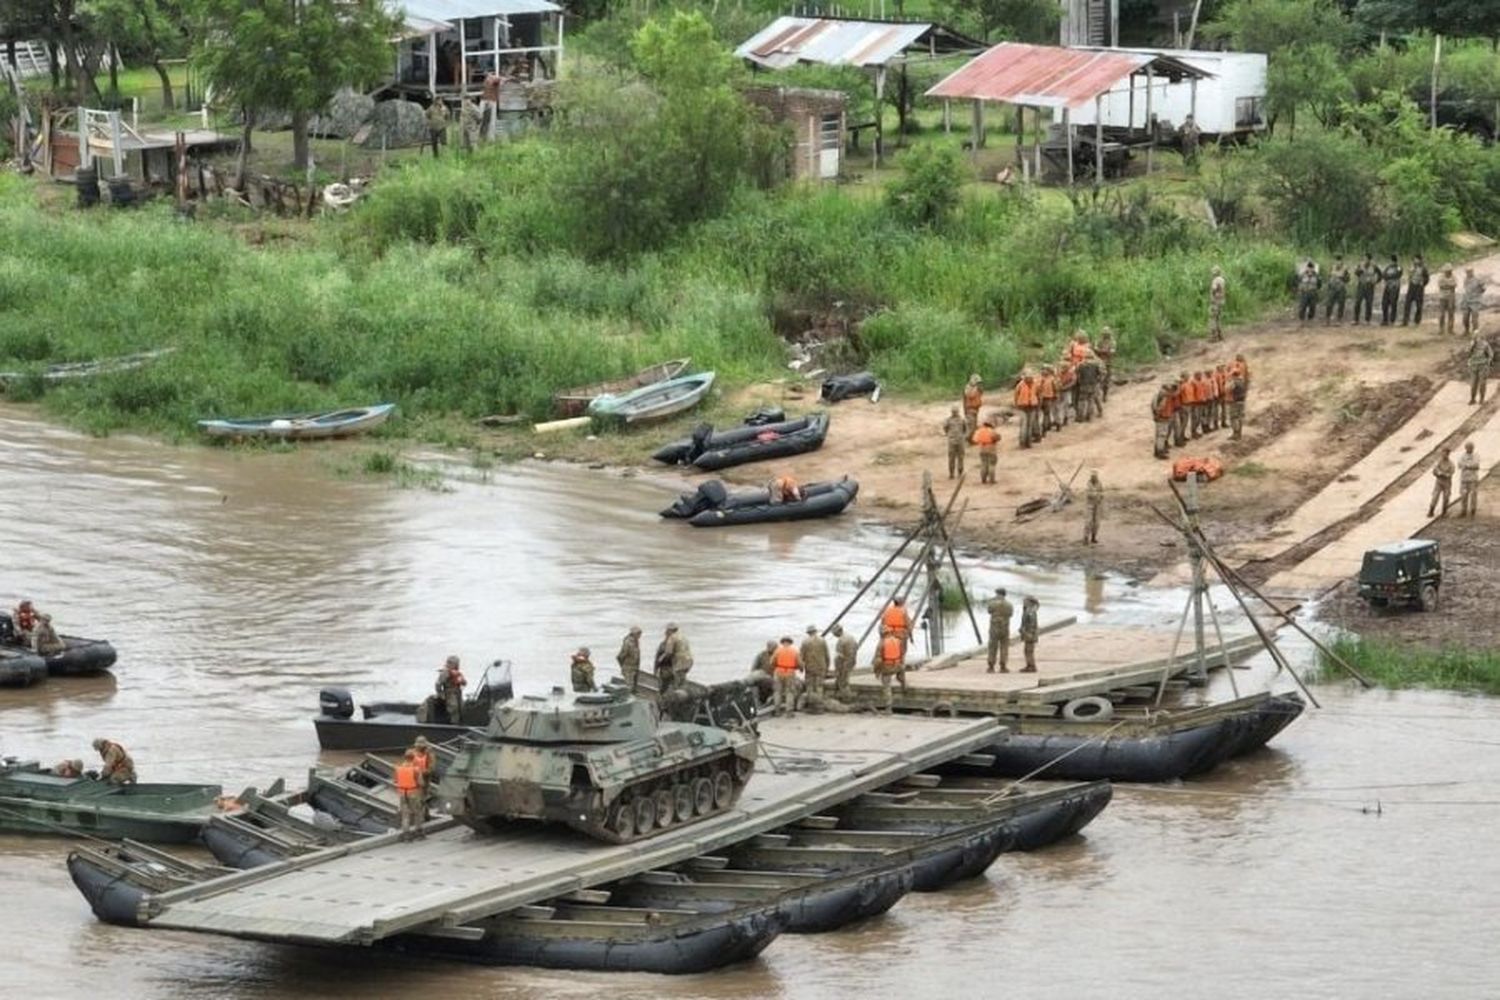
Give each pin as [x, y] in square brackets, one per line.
[602, 762]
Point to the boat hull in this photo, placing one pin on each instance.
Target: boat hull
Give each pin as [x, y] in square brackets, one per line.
[826, 503]
[19, 669]
[302, 426]
[385, 733]
[575, 402]
[654, 402]
[34, 817]
[81, 658]
[113, 897]
[723, 449]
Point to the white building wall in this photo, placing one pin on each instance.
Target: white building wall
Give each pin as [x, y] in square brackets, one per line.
[1237, 76]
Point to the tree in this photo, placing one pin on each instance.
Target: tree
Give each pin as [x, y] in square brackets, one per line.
[1012, 20]
[1307, 41]
[291, 55]
[929, 187]
[1459, 18]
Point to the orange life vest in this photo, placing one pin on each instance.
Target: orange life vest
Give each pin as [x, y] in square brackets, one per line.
[407, 779]
[1187, 393]
[890, 650]
[1049, 387]
[423, 761]
[1067, 378]
[455, 678]
[973, 397]
[785, 661]
[1239, 368]
[986, 438]
[1168, 406]
[26, 619]
[785, 487]
[1210, 389]
[1025, 394]
[1221, 378]
[1077, 351]
[895, 620]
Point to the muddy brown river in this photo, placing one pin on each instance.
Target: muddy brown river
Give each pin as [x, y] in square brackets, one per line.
[1358, 857]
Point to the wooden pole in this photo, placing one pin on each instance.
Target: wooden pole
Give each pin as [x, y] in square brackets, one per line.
[911, 536]
[1098, 140]
[1193, 24]
[1068, 130]
[1213, 613]
[1150, 121]
[1437, 59]
[880, 113]
[1020, 133]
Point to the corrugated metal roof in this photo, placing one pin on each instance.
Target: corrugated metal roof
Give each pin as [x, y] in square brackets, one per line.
[1051, 77]
[423, 17]
[788, 41]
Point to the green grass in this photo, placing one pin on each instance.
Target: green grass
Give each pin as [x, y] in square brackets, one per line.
[1397, 666]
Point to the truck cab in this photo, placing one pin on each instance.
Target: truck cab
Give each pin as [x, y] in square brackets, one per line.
[1402, 573]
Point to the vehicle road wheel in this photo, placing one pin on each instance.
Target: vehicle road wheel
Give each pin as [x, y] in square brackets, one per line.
[645, 813]
[723, 790]
[703, 796]
[623, 821]
[1429, 598]
[683, 804]
[663, 803]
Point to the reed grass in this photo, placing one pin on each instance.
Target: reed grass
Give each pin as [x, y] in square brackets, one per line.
[1394, 665]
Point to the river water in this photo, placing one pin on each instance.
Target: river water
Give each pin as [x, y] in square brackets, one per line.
[1358, 857]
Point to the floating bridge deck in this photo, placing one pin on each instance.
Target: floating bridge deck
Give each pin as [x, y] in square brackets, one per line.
[362, 892]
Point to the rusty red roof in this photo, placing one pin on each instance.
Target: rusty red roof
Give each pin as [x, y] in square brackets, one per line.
[830, 41]
[1051, 77]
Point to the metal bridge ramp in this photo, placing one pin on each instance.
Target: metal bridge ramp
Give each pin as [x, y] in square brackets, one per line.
[359, 893]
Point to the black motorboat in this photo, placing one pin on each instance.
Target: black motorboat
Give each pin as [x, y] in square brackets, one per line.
[78, 658]
[712, 505]
[394, 725]
[711, 450]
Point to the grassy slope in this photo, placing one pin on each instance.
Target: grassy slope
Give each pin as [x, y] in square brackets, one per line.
[1398, 666]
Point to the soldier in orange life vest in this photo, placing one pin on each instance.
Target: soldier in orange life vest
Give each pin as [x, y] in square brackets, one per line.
[896, 622]
[1164, 413]
[1078, 348]
[1221, 380]
[422, 757]
[411, 788]
[890, 661]
[786, 663]
[24, 619]
[450, 690]
[1047, 396]
[784, 489]
[973, 402]
[1211, 405]
[1180, 418]
[1067, 386]
[1026, 402]
[987, 438]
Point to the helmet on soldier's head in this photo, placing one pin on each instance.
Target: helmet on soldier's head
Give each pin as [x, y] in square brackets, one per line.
[98, 744]
[635, 630]
[421, 741]
[812, 630]
[671, 626]
[452, 661]
[582, 654]
[1447, 268]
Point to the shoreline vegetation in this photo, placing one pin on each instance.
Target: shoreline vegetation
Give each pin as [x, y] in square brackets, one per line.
[1398, 665]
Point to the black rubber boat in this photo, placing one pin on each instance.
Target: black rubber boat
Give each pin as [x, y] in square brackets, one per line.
[710, 450]
[395, 725]
[79, 657]
[837, 388]
[712, 506]
[19, 668]
[1041, 812]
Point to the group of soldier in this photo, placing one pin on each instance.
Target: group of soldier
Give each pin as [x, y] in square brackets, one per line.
[115, 765]
[33, 629]
[1468, 483]
[1199, 403]
[1366, 276]
[673, 660]
[998, 652]
[1045, 399]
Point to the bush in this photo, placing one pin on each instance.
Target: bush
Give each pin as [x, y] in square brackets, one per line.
[928, 189]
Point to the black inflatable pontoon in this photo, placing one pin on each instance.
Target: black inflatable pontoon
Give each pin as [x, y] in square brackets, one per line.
[713, 506]
[837, 388]
[710, 450]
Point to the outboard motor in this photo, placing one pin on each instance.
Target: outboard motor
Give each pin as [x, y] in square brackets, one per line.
[765, 415]
[699, 443]
[336, 702]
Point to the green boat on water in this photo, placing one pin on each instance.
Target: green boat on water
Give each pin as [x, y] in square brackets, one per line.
[35, 800]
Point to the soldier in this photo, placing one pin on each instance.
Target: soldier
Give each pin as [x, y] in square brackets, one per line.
[422, 756]
[762, 661]
[1106, 352]
[1026, 403]
[1447, 300]
[1087, 401]
[1416, 291]
[1481, 356]
[1190, 135]
[1164, 413]
[1308, 283]
[581, 670]
[1366, 274]
[72, 767]
[24, 620]
[673, 659]
[1217, 292]
[845, 650]
[470, 121]
[450, 690]
[890, 661]
[1184, 409]
[1221, 379]
[1239, 385]
[1200, 404]
[118, 768]
[973, 403]
[1029, 633]
[1442, 484]
[987, 438]
[47, 642]
[1210, 394]
[814, 653]
[1468, 482]
[1047, 401]
[1095, 501]
[1067, 393]
[957, 431]
[1338, 290]
[629, 657]
[1390, 293]
[1472, 301]
[895, 620]
[413, 803]
[1001, 612]
[786, 663]
[437, 125]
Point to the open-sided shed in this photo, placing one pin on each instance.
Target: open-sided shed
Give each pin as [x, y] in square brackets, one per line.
[874, 46]
[1065, 79]
[448, 47]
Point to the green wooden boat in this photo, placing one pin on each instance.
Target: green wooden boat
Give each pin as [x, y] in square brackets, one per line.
[34, 800]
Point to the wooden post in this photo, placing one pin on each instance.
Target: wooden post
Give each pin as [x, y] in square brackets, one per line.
[1067, 124]
[114, 141]
[432, 64]
[1036, 144]
[879, 113]
[1193, 24]
[1020, 134]
[557, 73]
[1114, 23]
[1437, 58]
[976, 130]
[1130, 108]
[463, 66]
[85, 155]
[1150, 121]
[1098, 140]
[947, 117]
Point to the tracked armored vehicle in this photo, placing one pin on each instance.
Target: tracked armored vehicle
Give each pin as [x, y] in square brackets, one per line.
[603, 763]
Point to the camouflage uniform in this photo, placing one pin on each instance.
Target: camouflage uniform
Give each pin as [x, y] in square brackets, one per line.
[1307, 293]
[1106, 352]
[1366, 275]
[1447, 300]
[762, 662]
[674, 658]
[629, 658]
[1481, 356]
[999, 648]
[1180, 419]
[1095, 501]
[957, 431]
[1217, 292]
[1338, 290]
[450, 690]
[1390, 294]
[46, 640]
[118, 768]
[1472, 301]
[845, 651]
[1029, 633]
[814, 653]
[1416, 291]
[470, 121]
[1468, 482]
[1442, 485]
[1237, 390]
[582, 671]
[437, 124]
[784, 684]
[1090, 402]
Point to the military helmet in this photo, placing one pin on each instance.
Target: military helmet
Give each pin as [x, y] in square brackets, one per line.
[999, 591]
[582, 654]
[98, 744]
[812, 630]
[671, 626]
[421, 741]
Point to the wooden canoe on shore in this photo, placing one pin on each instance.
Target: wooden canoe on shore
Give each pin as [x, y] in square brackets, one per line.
[654, 402]
[302, 426]
[575, 402]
